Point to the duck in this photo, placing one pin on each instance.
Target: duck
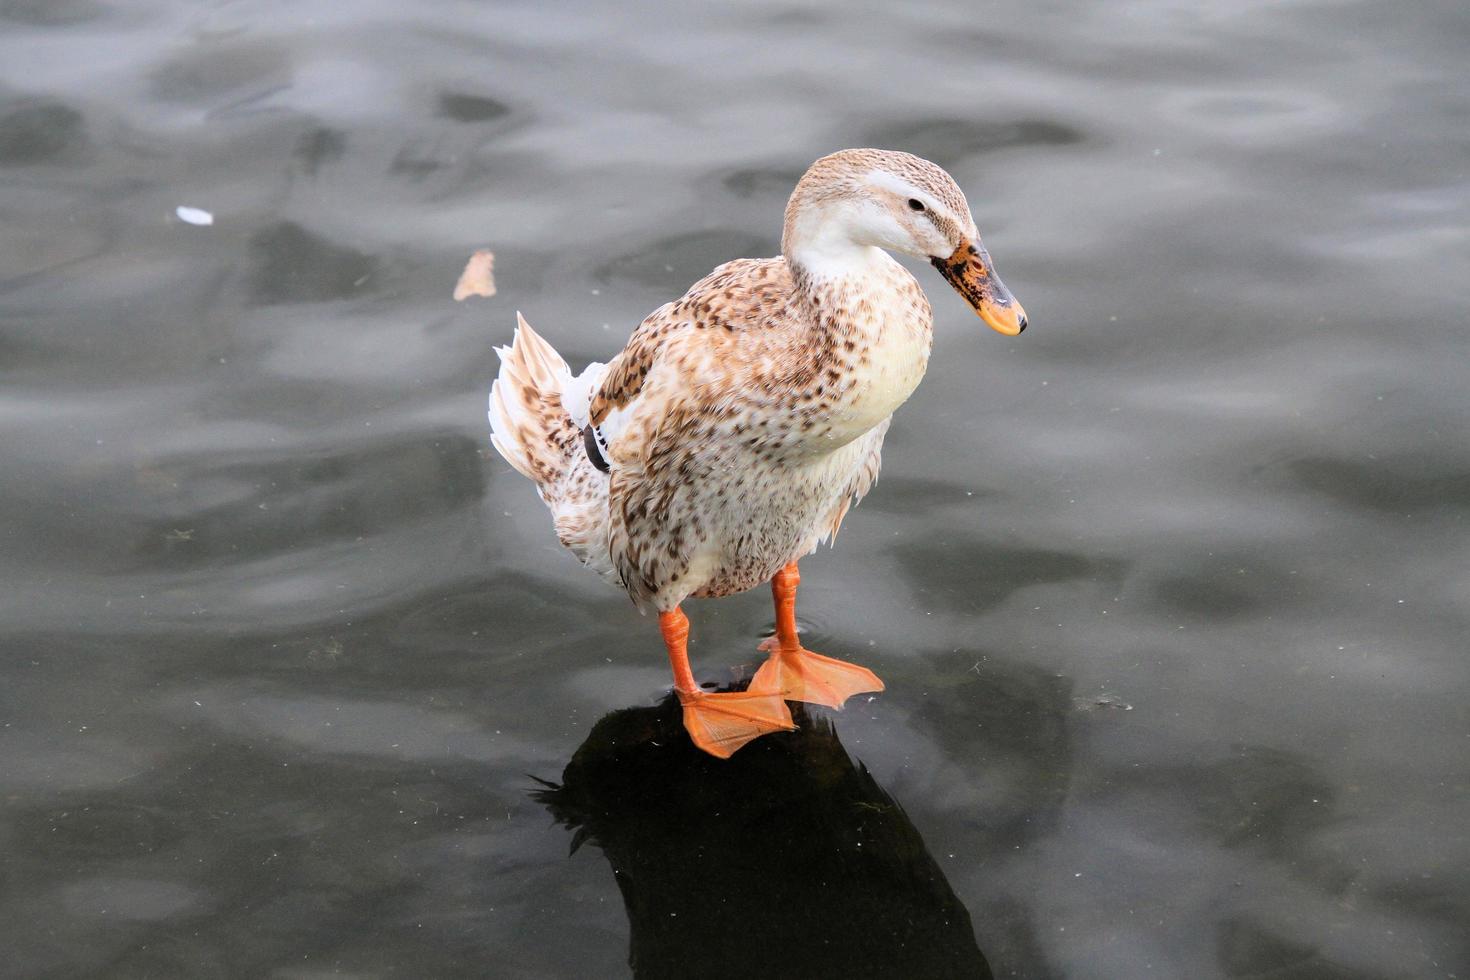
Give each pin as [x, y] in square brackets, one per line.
[740, 423]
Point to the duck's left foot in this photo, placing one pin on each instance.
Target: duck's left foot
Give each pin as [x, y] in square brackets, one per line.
[721, 724]
[800, 675]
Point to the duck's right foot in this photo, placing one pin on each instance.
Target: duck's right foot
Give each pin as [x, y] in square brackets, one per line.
[800, 675]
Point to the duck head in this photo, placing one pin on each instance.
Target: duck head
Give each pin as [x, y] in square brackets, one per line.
[854, 201]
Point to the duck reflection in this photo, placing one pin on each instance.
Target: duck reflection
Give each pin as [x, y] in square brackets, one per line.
[787, 860]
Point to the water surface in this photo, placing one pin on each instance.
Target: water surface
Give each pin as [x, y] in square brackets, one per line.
[1170, 593]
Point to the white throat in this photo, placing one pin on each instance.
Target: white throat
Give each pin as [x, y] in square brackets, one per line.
[821, 242]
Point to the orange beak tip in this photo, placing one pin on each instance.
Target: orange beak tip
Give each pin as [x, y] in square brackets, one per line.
[1007, 320]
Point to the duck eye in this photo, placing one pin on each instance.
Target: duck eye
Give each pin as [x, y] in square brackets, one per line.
[916, 204]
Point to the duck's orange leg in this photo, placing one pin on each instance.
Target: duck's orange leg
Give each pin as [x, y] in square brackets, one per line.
[719, 723]
[797, 673]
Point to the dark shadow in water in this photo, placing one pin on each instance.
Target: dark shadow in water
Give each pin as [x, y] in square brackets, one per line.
[465, 108]
[50, 13]
[1251, 950]
[1226, 585]
[319, 146]
[947, 141]
[970, 574]
[676, 261]
[292, 265]
[1392, 485]
[37, 131]
[748, 182]
[910, 494]
[787, 860]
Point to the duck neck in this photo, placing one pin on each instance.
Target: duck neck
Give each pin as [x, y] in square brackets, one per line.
[822, 252]
[867, 327]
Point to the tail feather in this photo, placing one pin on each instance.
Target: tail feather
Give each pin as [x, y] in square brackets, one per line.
[534, 404]
[528, 425]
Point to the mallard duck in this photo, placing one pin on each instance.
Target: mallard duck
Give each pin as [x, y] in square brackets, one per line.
[732, 433]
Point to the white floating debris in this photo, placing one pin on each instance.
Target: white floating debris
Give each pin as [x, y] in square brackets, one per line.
[194, 216]
[478, 278]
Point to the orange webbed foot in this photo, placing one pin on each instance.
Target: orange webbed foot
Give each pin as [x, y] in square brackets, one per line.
[801, 675]
[721, 724]
[797, 673]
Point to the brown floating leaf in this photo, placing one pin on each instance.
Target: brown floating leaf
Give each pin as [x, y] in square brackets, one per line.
[478, 278]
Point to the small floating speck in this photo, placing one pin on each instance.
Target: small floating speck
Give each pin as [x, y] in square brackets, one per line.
[194, 216]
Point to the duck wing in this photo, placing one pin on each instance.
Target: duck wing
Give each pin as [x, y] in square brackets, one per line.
[666, 402]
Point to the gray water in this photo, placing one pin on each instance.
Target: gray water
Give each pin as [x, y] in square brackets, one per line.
[1171, 593]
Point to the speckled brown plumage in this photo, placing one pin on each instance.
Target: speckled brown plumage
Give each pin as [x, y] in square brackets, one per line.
[745, 381]
[741, 421]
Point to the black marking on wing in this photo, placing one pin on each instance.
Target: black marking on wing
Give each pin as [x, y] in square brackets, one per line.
[593, 444]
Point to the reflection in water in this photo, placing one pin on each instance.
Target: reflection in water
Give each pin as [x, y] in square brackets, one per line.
[785, 860]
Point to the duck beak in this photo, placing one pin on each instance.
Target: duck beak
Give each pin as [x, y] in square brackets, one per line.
[969, 271]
